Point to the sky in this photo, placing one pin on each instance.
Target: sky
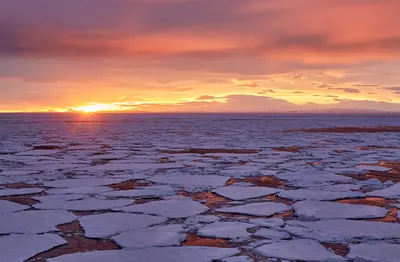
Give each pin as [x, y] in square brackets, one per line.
[199, 55]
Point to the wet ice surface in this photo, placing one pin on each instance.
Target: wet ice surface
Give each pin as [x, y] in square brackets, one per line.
[198, 188]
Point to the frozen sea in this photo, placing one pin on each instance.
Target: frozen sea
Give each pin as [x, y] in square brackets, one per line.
[198, 188]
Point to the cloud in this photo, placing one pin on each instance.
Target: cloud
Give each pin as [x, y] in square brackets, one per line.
[393, 88]
[262, 104]
[206, 97]
[310, 31]
[346, 90]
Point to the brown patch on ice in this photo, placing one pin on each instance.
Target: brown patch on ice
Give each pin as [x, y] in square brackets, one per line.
[369, 201]
[128, 185]
[48, 147]
[340, 151]
[20, 186]
[391, 217]
[23, 200]
[292, 149]
[203, 151]
[194, 240]
[76, 242]
[339, 249]
[261, 181]
[211, 200]
[365, 148]
[277, 199]
[90, 213]
[381, 176]
[375, 129]
[286, 215]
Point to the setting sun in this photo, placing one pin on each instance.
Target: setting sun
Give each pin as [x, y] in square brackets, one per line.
[92, 108]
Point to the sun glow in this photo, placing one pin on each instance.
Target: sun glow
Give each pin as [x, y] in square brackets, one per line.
[92, 108]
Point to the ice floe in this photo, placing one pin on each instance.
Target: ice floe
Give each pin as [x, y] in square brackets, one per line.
[257, 209]
[110, 224]
[374, 252]
[340, 230]
[185, 180]
[157, 254]
[18, 248]
[392, 192]
[299, 249]
[31, 222]
[318, 195]
[225, 230]
[83, 182]
[9, 207]
[20, 192]
[172, 208]
[242, 193]
[271, 234]
[87, 204]
[329, 210]
[157, 236]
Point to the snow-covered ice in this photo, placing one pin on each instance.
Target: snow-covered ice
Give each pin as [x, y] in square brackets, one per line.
[184, 180]
[375, 252]
[330, 210]
[157, 254]
[157, 236]
[299, 249]
[9, 207]
[225, 230]
[318, 195]
[271, 234]
[242, 193]
[110, 224]
[392, 192]
[340, 230]
[18, 248]
[87, 204]
[173, 208]
[31, 222]
[257, 209]
[20, 192]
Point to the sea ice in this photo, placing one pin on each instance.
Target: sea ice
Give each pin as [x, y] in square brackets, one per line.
[201, 219]
[172, 208]
[274, 222]
[339, 230]
[318, 195]
[299, 249]
[83, 182]
[374, 252]
[238, 259]
[190, 180]
[153, 191]
[257, 209]
[106, 225]
[157, 236]
[225, 230]
[89, 204]
[9, 207]
[271, 234]
[154, 254]
[79, 190]
[242, 193]
[35, 221]
[392, 192]
[17, 248]
[331, 210]
[20, 192]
